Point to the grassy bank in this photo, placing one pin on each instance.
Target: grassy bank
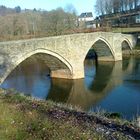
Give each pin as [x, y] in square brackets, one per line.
[126, 30]
[24, 118]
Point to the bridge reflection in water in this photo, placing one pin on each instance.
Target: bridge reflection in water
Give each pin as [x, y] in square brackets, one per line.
[91, 90]
[32, 78]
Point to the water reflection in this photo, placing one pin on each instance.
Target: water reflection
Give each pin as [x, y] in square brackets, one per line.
[111, 86]
[60, 90]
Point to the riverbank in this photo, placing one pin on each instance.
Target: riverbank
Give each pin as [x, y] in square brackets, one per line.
[26, 118]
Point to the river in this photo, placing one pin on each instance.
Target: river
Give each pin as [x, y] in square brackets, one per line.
[110, 86]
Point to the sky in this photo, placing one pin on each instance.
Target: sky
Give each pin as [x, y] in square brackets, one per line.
[80, 5]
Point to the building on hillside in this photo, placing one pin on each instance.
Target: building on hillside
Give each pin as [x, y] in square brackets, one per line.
[90, 24]
[85, 16]
[86, 20]
[129, 18]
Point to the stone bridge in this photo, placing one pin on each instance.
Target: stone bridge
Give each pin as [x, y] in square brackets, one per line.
[64, 55]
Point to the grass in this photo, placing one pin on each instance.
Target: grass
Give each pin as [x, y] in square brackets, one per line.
[21, 119]
[24, 118]
[126, 30]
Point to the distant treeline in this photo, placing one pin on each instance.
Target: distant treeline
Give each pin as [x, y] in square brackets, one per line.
[4, 10]
[16, 23]
[104, 7]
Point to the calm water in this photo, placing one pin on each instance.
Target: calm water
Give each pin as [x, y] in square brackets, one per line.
[111, 86]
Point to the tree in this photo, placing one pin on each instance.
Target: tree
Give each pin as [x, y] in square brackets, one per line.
[16, 24]
[108, 6]
[116, 6]
[100, 7]
[17, 9]
[33, 20]
[57, 22]
[34, 10]
[130, 4]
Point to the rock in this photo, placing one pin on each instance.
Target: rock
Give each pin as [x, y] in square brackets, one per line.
[138, 122]
[113, 115]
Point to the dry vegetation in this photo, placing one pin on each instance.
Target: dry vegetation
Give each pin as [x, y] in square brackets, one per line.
[18, 24]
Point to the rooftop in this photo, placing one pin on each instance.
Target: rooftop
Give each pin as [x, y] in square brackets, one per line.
[87, 14]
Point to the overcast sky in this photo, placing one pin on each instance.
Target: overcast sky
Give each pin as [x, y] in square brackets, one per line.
[80, 5]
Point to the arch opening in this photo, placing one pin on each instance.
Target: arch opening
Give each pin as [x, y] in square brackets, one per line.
[32, 76]
[100, 51]
[99, 54]
[126, 45]
[58, 66]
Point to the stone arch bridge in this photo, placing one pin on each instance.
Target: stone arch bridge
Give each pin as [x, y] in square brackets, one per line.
[65, 55]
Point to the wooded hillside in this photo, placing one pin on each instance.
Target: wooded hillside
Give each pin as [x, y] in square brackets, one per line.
[17, 24]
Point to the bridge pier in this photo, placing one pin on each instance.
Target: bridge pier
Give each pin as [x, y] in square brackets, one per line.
[118, 57]
[106, 59]
[61, 73]
[65, 74]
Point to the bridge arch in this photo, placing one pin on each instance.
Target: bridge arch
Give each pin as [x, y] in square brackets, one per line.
[66, 71]
[103, 49]
[126, 45]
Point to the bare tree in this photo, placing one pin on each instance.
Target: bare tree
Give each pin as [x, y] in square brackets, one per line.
[57, 22]
[130, 4]
[108, 6]
[29, 23]
[103, 7]
[116, 6]
[100, 7]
